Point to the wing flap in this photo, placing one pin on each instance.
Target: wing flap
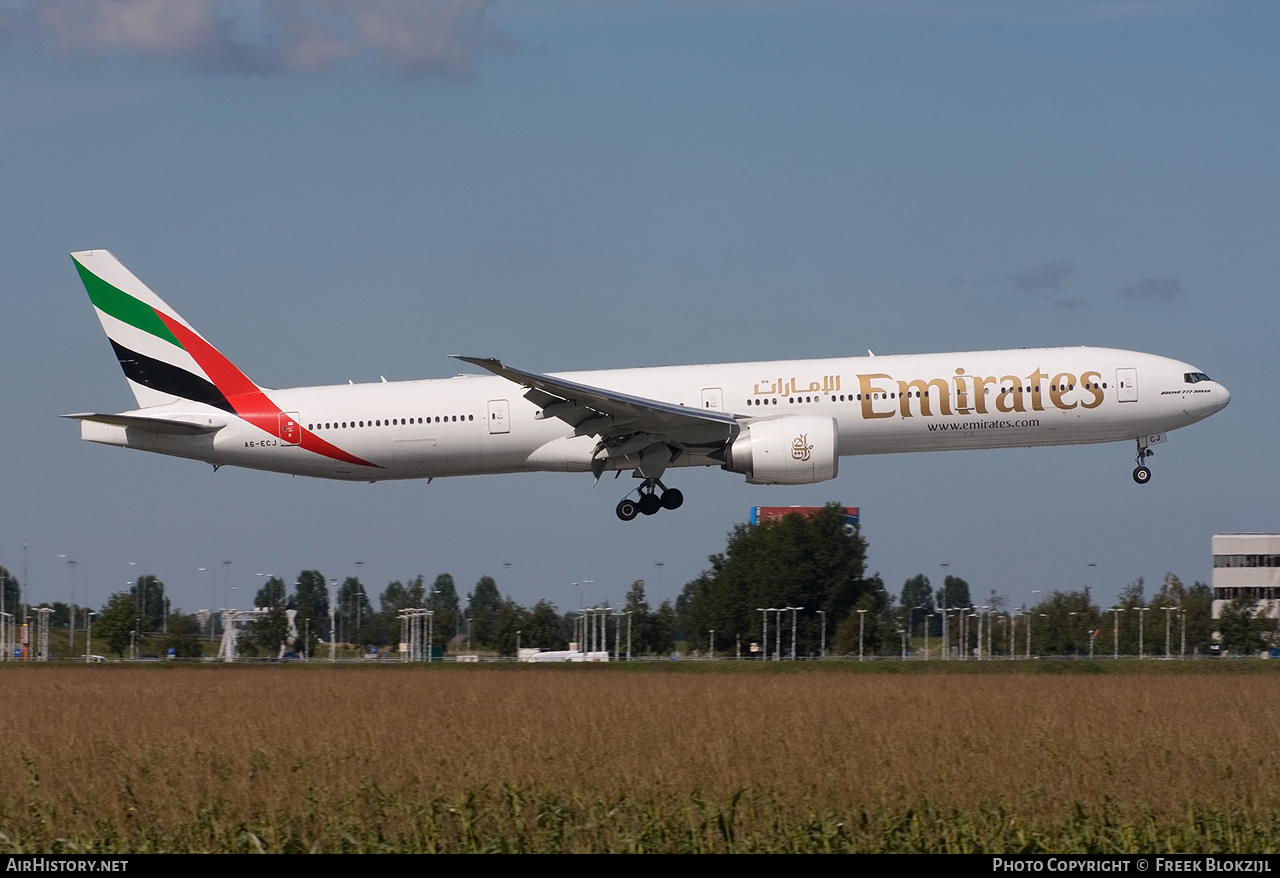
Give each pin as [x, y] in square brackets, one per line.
[624, 412]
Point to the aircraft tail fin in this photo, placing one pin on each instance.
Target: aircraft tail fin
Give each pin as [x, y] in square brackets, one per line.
[163, 357]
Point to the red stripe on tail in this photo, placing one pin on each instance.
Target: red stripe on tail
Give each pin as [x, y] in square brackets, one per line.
[246, 398]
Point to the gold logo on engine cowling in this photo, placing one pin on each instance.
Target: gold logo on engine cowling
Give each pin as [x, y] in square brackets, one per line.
[800, 447]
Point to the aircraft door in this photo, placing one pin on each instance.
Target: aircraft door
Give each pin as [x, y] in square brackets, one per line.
[962, 394]
[1127, 385]
[290, 429]
[713, 399]
[499, 416]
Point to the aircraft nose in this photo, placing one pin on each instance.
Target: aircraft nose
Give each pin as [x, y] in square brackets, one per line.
[1221, 397]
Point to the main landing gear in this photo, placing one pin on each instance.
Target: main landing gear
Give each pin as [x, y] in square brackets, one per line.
[1141, 474]
[649, 500]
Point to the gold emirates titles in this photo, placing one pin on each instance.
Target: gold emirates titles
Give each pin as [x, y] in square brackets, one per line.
[1015, 394]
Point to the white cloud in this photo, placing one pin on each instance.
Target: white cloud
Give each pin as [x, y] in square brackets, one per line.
[1069, 304]
[411, 37]
[1045, 276]
[1154, 289]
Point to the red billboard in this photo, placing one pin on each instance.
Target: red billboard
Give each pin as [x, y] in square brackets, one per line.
[761, 514]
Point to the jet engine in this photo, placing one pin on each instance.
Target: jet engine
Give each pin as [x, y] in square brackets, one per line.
[790, 450]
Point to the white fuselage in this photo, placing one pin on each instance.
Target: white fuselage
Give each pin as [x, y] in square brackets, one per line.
[471, 425]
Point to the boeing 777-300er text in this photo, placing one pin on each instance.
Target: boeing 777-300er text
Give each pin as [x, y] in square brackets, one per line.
[777, 423]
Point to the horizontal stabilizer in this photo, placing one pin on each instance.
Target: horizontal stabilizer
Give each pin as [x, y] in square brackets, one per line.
[151, 425]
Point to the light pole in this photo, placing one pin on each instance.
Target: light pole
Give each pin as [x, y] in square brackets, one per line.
[794, 611]
[862, 617]
[333, 640]
[88, 636]
[1141, 625]
[764, 633]
[359, 599]
[71, 565]
[1115, 631]
[4, 625]
[945, 595]
[1168, 642]
[984, 622]
[582, 599]
[946, 633]
[822, 650]
[1034, 591]
[139, 593]
[777, 632]
[24, 584]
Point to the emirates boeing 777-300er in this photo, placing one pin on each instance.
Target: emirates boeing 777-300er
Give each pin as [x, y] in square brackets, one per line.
[777, 423]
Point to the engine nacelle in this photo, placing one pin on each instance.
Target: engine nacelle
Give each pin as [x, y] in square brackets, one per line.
[790, 450]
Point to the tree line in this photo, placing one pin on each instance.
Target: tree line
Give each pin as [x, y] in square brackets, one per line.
[800, 580]
[490, 622]
[806, 572]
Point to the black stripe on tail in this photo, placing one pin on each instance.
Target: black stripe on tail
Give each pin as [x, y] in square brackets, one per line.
[169, 379]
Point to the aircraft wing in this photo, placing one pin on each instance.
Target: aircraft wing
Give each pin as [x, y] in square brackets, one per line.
[151, 425]
[624, 423]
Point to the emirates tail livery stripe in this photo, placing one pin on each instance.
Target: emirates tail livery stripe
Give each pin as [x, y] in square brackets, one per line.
[222, 385]
[124, 307]
[247, 398]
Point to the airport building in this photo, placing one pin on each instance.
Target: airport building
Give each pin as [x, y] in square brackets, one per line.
[1246, 565]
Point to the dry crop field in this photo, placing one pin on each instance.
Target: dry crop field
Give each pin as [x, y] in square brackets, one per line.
[724, 757]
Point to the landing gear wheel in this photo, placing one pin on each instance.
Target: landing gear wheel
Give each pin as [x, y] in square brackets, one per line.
[1141, 474]
[649, 504]
[672, 499]
[627, 509]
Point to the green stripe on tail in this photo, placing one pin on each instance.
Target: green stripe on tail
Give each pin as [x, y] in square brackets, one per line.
[124, 307]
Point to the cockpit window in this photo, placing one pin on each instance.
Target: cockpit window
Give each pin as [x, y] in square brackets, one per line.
[1195, 377]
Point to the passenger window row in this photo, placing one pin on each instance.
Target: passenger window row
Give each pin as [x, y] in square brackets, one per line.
[389, 422]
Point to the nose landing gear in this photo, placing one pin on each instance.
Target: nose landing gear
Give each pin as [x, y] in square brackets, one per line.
[649, 501]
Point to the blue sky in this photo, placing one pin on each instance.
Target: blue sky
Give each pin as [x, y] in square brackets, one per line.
[331, 190]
